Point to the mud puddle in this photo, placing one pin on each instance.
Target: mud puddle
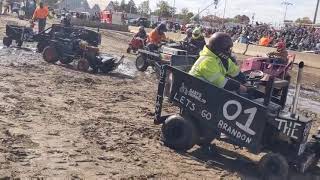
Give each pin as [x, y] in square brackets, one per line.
[305, 101]
[127, 68]
[16, 56]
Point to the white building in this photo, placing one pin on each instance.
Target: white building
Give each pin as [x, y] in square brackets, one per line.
[91, 6]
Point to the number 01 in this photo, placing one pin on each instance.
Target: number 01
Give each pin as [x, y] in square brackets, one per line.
[252, 112]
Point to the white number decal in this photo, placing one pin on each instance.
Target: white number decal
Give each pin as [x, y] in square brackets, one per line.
[252, 112]
[206, 114]
[246, 127]
[236, 114]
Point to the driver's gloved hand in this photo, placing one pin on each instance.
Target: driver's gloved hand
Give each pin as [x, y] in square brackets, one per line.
[241, 78]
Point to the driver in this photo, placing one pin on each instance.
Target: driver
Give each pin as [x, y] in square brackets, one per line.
[141, 34]
[197, 39]
[281, 55]
[215, 65]
[189, 35]
[156, 36]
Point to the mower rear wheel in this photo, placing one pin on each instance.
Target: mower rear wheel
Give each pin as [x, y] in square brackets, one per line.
[179, 133]
[274, 166]
[7, 41]
[141, 63]
[50, 54]
[83, 65]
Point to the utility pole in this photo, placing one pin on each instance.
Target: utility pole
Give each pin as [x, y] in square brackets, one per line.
[286, 3]
[174, 8]
[224, 10]
[316, 13]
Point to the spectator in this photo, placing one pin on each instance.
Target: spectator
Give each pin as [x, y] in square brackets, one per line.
[295, 37]
[41, 14]
[265, 41]
[1, 6]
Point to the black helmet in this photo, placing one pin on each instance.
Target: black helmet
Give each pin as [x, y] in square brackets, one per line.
[220, 43]
[162, 28]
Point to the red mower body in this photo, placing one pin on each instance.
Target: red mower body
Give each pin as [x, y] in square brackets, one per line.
[135, 44]
[265, 65]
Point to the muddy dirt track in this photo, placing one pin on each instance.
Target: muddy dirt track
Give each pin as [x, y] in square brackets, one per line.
[58, 123]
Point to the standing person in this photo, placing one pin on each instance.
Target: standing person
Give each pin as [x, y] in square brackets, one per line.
[6, 6]
[32, 7]
[1, 6]
[41, 14]
[26, 9]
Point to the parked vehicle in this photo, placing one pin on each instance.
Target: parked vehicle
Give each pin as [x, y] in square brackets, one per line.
[140, 22]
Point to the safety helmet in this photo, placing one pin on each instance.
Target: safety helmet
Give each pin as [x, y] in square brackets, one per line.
[280, 46]
[220, 42]
[196, 33]
[189, 31]
[141, 28]
[162, 28]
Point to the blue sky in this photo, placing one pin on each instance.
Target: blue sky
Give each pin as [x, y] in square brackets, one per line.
[270, 11]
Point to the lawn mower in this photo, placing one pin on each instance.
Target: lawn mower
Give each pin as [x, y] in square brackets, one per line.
[73, 48]
[169, 54]
[135, 44]
[25, 34]
[19, 34]
[259, 123]
[266, 65]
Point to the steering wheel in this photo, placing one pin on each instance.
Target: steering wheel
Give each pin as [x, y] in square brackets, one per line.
[254, 76]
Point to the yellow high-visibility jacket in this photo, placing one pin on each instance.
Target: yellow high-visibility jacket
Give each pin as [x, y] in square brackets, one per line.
[210, 68]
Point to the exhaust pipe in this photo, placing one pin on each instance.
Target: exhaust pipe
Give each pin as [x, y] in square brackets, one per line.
[297, 91]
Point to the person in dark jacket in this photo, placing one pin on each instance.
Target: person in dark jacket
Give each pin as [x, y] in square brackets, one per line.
[197, 39]
[141, 33]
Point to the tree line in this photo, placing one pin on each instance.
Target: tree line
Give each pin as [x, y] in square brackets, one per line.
[163, 9]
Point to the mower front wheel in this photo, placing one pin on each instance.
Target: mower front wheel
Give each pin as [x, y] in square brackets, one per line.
[141, 63]
[179, 133]
[19, 43]
[50, 54]
[7, 41]
[41, 45]
[274, 166]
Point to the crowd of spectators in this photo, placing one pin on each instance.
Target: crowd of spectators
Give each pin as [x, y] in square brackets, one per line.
[299, 38]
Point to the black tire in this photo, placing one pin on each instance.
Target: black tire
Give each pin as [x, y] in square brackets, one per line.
[40, 46]
[83, 65]
[274, 166]
[141, 63]
[66, 61]
[19, 43]
[7, 41]
[179, 133]
[129, 50]
[50, 54]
